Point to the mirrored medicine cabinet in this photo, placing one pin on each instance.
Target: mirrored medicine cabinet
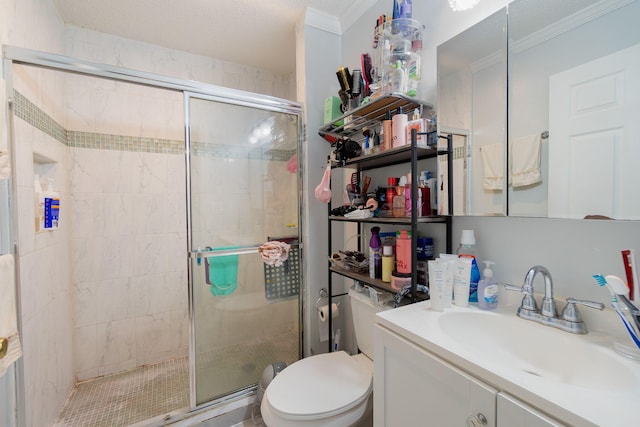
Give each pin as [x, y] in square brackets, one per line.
[556, 132]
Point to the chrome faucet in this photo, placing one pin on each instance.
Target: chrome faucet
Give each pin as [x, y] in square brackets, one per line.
[548, 303]
[570, 320]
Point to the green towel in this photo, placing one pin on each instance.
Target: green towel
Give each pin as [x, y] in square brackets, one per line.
[222, 272]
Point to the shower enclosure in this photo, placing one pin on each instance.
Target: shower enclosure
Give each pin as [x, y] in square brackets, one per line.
[168, 188]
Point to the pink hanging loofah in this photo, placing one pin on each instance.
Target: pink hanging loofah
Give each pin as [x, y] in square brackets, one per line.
[292, 164]
[323, 190]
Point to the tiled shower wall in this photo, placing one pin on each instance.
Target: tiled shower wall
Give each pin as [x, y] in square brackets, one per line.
[129, 248]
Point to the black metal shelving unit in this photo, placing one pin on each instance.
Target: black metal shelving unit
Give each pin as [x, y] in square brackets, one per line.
[351, 125]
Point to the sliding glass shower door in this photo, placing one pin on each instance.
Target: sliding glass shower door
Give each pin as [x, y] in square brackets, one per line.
[242, 192]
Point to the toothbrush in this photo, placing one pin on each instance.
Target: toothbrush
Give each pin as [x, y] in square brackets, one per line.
[614, 303]
[617, 286]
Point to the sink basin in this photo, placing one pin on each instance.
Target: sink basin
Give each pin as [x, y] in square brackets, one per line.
[508, 342]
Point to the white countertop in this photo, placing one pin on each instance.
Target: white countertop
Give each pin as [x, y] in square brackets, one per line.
[575, 405]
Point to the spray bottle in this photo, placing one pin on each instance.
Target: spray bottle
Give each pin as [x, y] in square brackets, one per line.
[375, 254]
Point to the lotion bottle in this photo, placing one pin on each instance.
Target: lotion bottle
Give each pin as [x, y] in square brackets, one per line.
[399, 128]
[487, 288]
[51, 207]
[38, 204]
[388, 262]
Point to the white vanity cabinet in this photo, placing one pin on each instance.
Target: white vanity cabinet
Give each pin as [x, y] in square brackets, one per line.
[512, 412]
[413, 387]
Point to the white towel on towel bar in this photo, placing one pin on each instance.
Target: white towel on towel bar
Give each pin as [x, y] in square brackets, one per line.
[493, 163]
[525, 160]
[8, 314]
[5, 168]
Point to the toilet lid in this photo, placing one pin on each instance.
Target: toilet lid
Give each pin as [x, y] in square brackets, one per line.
[319, 386]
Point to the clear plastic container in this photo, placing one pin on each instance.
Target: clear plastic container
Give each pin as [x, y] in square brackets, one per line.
[398, 57]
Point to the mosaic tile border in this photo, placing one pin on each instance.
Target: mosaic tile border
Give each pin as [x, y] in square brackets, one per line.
[103, 141]
[32, 114]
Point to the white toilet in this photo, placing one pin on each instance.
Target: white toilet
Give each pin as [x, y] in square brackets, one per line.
[332, 389]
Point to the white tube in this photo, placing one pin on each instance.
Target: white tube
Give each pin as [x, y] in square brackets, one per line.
[461, 281]
[436, 285]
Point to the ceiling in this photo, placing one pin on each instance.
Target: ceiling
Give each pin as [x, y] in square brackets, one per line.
[258, 33]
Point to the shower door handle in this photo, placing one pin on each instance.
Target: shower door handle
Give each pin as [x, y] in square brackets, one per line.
[209, 252]
[212, 252]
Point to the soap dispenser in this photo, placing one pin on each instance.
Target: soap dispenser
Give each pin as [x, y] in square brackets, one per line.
[487, 288]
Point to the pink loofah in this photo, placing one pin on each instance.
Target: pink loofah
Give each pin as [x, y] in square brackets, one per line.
[323, 190]
[292, 164]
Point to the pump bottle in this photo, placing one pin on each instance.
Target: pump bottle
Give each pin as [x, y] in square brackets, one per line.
[487, 288]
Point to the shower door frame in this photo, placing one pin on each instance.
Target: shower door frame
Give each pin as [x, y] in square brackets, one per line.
[189, 88]
[194, 253]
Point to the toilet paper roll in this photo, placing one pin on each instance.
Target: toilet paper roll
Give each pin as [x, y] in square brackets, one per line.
[323, 312]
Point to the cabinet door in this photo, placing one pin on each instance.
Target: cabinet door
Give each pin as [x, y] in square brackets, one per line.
[414, 388]
[512, 412]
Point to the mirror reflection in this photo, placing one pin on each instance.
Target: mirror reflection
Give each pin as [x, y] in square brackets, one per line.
[574, 72]
[472, 107]
[574, 99]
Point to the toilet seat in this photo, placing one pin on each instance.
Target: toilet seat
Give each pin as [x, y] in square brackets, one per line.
[319, 387]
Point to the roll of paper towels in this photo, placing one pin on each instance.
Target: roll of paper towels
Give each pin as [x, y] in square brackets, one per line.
[323, 312]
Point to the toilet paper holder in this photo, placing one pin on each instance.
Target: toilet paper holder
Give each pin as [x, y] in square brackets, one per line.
[324, 299]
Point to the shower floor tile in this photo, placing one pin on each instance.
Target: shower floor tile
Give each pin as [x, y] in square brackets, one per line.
[150, 391]
[129, 397]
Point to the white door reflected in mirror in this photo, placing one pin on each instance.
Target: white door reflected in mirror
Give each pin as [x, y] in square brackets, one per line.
[595, 138]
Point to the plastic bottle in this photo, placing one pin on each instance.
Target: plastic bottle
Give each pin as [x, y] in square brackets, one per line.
[391, 192]
[467, 249]
[425, 195]
[432, 184]
[51, 207]
[38, 204]
[375, 254]
[403, 251]
[399, 128]
[387, 130]
[487, 288]
[407, 195]
[399, 79]
[388, 262]
[399, 201]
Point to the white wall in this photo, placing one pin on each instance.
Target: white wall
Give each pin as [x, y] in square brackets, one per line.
[43, 262]
[320, 59]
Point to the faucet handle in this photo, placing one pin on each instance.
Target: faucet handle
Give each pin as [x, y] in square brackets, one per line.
[571, 312]
[528, 301]
[510, 287]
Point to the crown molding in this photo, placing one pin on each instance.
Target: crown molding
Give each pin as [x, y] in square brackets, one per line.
[355, 12]
[567, 24]
[323, 21]
[334, 24]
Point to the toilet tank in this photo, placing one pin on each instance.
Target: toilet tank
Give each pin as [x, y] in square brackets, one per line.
[364, 311]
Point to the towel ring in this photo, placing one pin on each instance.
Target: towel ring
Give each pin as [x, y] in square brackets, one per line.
[324, 295]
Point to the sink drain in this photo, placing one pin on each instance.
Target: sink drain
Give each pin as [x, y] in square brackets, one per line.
[532, 372]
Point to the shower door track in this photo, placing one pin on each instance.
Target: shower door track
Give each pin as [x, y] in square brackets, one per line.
[56, 62]
[53, 61]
